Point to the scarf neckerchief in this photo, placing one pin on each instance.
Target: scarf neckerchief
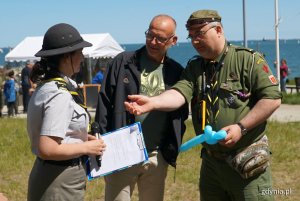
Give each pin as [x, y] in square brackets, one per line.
[212, 89]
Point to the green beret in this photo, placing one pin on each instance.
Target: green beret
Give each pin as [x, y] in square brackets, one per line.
[202, 17]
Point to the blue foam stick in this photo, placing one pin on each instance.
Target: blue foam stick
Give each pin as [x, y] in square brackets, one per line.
[209, 136]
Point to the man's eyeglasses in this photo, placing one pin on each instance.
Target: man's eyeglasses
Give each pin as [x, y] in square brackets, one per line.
[158, 39]
[199, 34]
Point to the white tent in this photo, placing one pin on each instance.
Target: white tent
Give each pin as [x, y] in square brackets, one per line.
[104, 46]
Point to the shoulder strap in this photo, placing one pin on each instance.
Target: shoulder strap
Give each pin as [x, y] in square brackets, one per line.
[253, 53]
[76, 93]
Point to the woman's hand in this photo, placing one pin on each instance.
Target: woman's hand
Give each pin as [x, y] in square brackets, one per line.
[95, 147]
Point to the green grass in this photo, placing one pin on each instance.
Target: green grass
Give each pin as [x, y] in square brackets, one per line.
[17, 160]
[292, 99]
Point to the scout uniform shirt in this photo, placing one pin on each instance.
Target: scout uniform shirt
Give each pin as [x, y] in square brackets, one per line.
[52, 111]
[243, 78]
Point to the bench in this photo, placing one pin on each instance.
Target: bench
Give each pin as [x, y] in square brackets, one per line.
[291, 88]
[296, 86]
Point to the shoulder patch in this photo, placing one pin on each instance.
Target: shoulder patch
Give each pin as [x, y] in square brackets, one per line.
[272, 79]
[61, 85]
[260, 60]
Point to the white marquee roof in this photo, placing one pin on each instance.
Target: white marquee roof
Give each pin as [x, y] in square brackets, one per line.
[104, 46]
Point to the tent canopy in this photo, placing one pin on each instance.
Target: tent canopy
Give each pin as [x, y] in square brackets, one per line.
[104, 46]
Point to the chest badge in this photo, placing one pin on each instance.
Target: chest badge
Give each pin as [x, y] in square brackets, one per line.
[125, 80]
[230, 100]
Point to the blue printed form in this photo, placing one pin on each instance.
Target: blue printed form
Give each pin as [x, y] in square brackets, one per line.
[124, 147]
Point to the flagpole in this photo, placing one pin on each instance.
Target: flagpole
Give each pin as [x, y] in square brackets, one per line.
[277, 41]
[244, 23]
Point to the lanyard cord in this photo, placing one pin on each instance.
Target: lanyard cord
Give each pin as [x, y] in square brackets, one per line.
[210, 92]
[217, 68]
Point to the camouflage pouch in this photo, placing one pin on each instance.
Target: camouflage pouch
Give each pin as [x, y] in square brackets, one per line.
[252, 160]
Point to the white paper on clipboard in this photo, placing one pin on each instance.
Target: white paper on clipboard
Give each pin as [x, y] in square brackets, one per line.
[124, 147]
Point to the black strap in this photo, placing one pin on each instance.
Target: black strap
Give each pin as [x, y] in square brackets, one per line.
[76, 93]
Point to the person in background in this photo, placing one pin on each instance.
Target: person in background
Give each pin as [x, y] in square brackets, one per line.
[284, 70]
[26, 84]
[1, 91]
[57, 120]
[230, 88]
[17, 89]
[10, 93]
[146, 71]
[97, 79]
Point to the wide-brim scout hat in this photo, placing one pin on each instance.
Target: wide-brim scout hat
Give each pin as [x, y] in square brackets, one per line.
[202, 17]
[61, 38]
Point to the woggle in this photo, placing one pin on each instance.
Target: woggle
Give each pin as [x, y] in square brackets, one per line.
[209, 136]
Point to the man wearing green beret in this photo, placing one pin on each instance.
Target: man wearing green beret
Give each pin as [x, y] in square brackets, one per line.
[230, 88]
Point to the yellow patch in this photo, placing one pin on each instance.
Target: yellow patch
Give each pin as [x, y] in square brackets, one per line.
[260, 60]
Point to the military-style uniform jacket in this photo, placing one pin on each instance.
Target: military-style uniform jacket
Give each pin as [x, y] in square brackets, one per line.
[122, 78]
[244, 78]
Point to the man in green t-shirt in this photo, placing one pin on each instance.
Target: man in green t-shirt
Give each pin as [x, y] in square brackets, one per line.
[147, 71]
[230, 88]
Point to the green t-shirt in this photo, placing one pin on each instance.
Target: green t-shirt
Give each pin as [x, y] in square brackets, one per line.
[152, 84]
[243, 71]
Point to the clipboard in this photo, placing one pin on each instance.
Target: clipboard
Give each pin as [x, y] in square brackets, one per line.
[124, 147]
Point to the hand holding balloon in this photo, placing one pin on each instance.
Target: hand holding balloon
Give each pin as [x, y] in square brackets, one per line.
[209, 136]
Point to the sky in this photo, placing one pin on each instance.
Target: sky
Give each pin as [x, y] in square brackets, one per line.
[127, 20]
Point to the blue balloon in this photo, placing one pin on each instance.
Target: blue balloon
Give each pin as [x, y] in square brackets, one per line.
[209, 136]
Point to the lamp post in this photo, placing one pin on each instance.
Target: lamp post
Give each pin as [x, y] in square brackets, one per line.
[244, 23]
[277, 41]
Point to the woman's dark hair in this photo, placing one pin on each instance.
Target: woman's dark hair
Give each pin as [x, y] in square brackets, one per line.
[46, 68]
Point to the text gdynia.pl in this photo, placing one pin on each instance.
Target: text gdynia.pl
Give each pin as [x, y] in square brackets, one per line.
[284, 192]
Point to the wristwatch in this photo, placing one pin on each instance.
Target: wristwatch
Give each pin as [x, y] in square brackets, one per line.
[243, 129]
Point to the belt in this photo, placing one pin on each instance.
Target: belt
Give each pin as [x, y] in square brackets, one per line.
[70, 162]
[216, 154]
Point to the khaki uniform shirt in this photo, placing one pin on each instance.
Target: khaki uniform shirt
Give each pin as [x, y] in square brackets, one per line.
[52, 111]
[244, 71]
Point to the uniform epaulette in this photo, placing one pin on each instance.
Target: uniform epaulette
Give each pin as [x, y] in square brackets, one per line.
[61, 85]
[194, 58]
[252, 51]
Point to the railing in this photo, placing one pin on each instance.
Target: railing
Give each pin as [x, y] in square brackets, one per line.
[290, 88]
[296, 86]
[90, 93]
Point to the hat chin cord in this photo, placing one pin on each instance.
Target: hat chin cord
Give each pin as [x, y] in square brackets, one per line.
[72, 69]
[72, 66]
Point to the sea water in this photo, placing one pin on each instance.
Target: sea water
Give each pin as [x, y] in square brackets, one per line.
[289, 49]
[182, 52]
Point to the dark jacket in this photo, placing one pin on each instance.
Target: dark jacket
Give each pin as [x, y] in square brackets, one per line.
[122, 78]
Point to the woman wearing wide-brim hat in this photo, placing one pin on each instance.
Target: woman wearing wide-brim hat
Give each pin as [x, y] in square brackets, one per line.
[57, 120]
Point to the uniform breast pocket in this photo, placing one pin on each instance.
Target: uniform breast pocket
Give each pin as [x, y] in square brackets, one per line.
[79, 120]
[229, 94]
